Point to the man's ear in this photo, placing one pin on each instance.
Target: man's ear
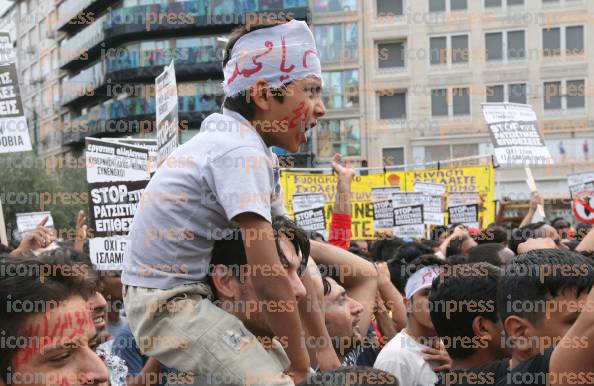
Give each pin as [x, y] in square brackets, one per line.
[407, 304]
[225, 283]
[261, 95]
[518, 330]
[484, 329]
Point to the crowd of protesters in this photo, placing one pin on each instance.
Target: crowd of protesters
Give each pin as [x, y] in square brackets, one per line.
[272, 304]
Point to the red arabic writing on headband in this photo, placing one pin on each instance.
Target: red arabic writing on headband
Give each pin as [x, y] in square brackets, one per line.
[247, 72]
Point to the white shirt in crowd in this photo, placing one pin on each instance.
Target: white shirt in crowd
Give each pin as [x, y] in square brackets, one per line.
[402, 357]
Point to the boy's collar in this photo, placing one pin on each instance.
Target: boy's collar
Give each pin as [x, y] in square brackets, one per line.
[238, 117]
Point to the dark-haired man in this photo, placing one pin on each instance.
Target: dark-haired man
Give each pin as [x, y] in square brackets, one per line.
[406, 355]
[228, 178]
[233, 284]
[464, 314]
[540, 296]
[50, 345]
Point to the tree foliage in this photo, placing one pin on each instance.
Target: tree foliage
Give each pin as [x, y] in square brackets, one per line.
[32, 184]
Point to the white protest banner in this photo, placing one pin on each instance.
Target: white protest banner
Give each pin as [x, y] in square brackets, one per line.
[579, 182]
[408, 221]
[456, 199]
[167, 112]
[383, 214]
[464, 214]
[383, 210]
[430, 188]
[112, 161]
[432, 205]
[515, 135]
[28, 221]
[433, 209]
[117, 174]
[383, 193]
[307, 201]
[14, 132]
[145, 143]
[107, 253]
[312, 220]
[309, 212]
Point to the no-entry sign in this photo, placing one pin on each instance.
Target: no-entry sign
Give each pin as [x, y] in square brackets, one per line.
[583, 207]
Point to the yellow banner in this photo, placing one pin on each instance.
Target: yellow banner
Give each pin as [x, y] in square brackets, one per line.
[460, 179]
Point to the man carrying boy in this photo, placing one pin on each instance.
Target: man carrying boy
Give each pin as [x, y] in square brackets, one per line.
[273, 96]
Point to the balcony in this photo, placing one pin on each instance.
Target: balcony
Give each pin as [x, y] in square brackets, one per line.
[139, 67]
[116, 118]
[75, 49]
[155, 21]
[74, 15]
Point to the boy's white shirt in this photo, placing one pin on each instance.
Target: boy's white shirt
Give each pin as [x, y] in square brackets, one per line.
[224, 170]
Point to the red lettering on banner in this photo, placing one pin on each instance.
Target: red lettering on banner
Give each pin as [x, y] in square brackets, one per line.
[284, 59]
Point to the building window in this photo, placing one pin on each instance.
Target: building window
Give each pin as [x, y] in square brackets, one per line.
[390, 8]
[337, 42]
[575, 94]
[392, 106]
[513, 93]
[552, 39]
[323, 6]
[443, 106]
[446, 152]
[458, 49]
[392, 156]
[513, 43]
[338, 136]
[447, 5]
[556, 97]
[574, 40]
[558, 3]
[342, 89]
[439, 102]
[391, 55]
[495, 94]
[461, 101]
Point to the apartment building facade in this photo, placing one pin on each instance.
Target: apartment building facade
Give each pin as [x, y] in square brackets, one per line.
[405, 79]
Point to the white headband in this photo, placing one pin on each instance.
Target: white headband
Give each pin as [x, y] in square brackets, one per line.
[420, 280]
[276, 54]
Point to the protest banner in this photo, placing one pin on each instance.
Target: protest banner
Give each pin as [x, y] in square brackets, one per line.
[117, 174]
[146, 143]
[113, 206]
[430, 188]
[14, 132]
[366, 192]
[515, 135]
[28, 221]
[464, 214]
[167, 113]
[408, 221]
[478, 180]
[310, 213]
[295, 183]
[581, 189]
[383, 210]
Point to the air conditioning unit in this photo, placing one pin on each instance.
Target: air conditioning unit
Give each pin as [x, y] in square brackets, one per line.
[30, 50]
[56, 107]
[51, 34]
